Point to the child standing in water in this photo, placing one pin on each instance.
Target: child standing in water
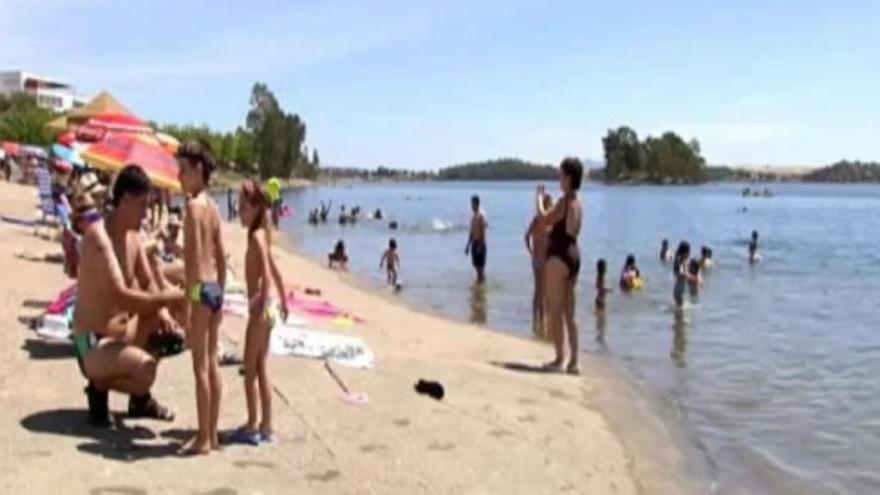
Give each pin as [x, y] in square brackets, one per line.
[664, 251]
[601, 288]
[205, 273]
[754, 257]
[680, 270]
[255, 209]
[338, 258]
[706, 258]
[391, 261]
[536, 238]
[630, 276]
[696, 280]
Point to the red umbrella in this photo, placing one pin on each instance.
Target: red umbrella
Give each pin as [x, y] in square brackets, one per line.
[116, 150]
[119, 122]
[10, 148]
[67, 139]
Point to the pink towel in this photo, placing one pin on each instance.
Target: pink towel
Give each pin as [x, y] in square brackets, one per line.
[59, 305]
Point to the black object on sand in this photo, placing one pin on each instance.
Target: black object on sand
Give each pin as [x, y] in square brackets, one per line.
[430, 388]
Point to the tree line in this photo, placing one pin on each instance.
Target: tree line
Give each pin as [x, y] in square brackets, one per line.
[23, 121]
[846, 171]
[270, 144]
[667, 159]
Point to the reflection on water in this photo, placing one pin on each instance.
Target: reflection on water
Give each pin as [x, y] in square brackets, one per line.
[601, 324]
[478, 304]
[679, 338]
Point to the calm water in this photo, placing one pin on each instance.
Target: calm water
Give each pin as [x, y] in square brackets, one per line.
[773, 372]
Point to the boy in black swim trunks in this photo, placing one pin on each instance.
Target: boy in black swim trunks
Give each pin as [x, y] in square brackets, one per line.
[205, 268]
[476, 244]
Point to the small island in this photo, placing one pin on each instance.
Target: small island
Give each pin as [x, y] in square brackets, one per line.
[506, 169]
[667, 159]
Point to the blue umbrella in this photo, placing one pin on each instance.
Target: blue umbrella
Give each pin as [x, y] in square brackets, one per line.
[68, 155]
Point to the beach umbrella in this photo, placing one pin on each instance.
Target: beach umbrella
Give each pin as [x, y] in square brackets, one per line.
[168, 141]
[67, 138]
[119, 122]
[104, 103]
[10, 148]
[33, 150]
[68, 154]
[116, 150]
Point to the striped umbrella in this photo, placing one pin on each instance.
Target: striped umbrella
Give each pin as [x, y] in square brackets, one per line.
[116, 150]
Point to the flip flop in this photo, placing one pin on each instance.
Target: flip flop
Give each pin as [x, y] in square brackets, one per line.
[243, 436]
[356, 398]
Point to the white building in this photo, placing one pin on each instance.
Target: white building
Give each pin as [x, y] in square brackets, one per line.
[52, 94]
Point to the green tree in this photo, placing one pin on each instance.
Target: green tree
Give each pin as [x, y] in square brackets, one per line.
[278, 136]
[23, 121]
[624, 155]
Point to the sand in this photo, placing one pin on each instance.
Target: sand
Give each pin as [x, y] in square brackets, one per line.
[497, 431]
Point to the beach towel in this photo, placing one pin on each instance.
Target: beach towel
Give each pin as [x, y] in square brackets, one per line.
[54, 327]
[319, 309]
[288, 340]
[64, 299]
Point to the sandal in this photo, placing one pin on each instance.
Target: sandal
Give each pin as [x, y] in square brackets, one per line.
[243, 436]
[165, 345]
[147, 407]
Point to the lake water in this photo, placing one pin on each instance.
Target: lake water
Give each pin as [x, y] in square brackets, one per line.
[773, 372]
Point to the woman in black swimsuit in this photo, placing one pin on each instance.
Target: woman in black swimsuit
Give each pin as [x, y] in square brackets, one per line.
[563, 262]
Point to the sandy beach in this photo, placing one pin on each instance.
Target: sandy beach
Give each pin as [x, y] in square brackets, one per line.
[498, 430]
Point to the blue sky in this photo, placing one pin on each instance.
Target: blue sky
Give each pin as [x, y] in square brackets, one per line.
[422, 83]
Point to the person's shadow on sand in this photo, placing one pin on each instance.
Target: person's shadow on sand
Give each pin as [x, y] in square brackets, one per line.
[41, 349]
[120, 443]
[524, 367]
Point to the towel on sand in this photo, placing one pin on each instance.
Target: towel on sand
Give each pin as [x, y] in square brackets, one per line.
[287, 340]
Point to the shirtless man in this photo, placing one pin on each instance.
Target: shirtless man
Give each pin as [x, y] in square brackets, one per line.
[476, 244]
[109, 356]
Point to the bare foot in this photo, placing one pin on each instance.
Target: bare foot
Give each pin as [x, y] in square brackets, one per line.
[196, 446]
[555, 365]
[215, 442]
[573, 368]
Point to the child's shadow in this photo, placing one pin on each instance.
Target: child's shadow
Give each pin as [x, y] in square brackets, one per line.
[119, 442]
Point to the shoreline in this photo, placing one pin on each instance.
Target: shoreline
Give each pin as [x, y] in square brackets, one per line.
[651, 434]
[498, 430]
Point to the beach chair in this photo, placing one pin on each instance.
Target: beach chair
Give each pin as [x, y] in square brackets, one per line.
[48, 205]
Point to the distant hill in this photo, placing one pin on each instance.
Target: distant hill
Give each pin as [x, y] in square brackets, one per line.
[500, 169]
[845, 171]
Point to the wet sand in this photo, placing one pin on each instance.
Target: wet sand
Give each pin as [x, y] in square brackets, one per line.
[502, 427]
